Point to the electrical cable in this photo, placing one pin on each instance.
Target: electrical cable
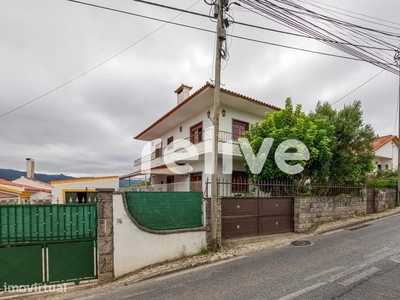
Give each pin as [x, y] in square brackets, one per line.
[93, 68]
[358, 87]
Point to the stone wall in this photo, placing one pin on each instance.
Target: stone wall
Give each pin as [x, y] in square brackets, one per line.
[310, 212]
[208, 222]
[105, 235]
[385, 199]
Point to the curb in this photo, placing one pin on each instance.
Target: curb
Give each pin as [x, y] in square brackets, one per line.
[367, 219]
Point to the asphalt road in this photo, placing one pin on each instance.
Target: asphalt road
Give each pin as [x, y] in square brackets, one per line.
[348, 264]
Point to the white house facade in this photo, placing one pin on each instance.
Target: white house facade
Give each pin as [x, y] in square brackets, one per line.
[191, 123]
[81, 190]
[386, 152]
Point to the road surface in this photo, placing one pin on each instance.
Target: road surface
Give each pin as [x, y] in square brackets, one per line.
[363, 263]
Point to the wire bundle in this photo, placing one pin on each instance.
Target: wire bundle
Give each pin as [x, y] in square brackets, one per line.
[374, 46]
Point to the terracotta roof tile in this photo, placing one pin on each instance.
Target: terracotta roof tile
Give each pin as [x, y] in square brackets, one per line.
[383, 140]
[203, 88]
[26, 187]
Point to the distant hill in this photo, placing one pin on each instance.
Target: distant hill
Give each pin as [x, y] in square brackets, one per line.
[11, 175]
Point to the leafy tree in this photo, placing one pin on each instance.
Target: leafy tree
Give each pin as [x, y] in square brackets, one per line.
[353, 148]
[289, 124]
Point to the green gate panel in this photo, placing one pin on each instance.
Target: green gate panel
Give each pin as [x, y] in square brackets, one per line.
[47, 222]
[166, 210]
[72, 260]
[21, 265]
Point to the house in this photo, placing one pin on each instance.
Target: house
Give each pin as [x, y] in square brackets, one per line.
[386, 152]
[29, 179]
[77, 190]
[190, 122]
[80, 190]
[22, 193]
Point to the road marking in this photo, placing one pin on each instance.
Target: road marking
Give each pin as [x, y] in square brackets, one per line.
[360, 276]
[332, 231]
[395, 258]
[378, 252]
[334, 269]
[195, 269]
[302, 291]
[280, 246]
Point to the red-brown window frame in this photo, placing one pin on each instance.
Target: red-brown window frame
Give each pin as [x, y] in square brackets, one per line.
[237, 135]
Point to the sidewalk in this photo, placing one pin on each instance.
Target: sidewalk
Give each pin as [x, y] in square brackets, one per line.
[231, 248]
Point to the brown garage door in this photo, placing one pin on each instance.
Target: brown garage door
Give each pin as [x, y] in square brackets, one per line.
[256, 216]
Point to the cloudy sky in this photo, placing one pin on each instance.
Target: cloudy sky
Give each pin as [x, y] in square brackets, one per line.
[87, 126]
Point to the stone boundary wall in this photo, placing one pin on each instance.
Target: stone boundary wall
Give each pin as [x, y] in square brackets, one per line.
[385, 199]
[310, 212]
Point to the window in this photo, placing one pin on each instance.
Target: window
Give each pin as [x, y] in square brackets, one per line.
[379, 167]
[170, 140]
[238, 129]
[196, 133]
[387, 167]
[196, 182]
[158, 151]
[240, 182]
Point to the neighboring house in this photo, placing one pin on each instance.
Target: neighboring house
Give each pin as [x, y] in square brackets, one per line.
[22, 193]
[191, 120]
[386, 152]
[29, 179]
[80, 190]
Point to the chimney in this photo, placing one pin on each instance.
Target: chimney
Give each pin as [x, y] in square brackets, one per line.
[30, 168]
[183, 93]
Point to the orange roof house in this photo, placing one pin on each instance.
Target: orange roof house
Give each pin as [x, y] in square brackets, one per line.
[386, 152]
[190, 122]
[17, 191]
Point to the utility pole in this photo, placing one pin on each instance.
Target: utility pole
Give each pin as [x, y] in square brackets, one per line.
[217, 103]
[397, 59]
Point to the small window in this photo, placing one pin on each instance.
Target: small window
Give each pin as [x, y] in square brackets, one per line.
[387, 167]
[379, 167]
[238, 129]
[170, 140]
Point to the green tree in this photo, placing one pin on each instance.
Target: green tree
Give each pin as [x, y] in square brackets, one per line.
[289, 124]
[353, 148]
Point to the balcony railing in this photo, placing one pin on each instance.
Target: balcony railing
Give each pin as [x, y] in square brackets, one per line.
[206, 135]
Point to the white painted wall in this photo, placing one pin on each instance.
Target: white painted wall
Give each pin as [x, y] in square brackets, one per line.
[91, 185]
[387, 155]
[34, 183]
[135, 249]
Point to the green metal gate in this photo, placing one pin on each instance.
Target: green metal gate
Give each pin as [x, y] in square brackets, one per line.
[47, 243]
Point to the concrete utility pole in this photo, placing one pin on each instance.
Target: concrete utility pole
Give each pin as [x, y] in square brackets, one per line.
[217, 103]
[397, 59]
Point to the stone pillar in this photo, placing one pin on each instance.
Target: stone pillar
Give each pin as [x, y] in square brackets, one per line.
[208, 222]
[105, 235]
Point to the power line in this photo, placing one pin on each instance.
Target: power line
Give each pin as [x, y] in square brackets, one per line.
[171, 23]
[357, 88]
[355, 13]
[93, 68]
[259, 27]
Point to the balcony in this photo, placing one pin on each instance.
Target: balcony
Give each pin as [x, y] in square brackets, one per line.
[156, 159]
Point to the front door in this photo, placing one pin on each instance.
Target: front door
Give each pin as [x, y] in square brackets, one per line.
[170, 183]
[195, 182]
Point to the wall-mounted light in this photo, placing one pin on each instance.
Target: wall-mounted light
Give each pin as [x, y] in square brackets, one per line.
[208, 114]
[180, 128]
[223, 112]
